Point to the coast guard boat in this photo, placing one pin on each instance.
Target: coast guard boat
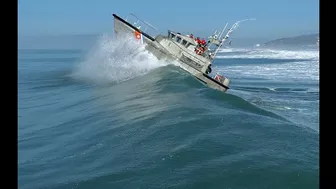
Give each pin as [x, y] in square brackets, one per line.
[194, 56]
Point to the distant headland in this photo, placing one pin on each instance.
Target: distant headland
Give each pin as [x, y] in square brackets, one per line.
[310, 39]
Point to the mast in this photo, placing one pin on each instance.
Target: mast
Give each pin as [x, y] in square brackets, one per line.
[222, 31]
[234, 26]
[212, 38]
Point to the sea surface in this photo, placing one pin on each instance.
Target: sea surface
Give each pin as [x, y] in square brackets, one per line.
[107, 114]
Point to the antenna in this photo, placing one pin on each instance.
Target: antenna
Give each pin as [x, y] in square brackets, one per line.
[234, 26]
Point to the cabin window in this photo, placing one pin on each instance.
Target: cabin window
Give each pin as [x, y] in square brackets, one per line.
[184, 42]
[172, 36]
[178, 39]
[191, 46]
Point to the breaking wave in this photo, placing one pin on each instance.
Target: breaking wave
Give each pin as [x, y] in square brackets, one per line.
[116, 60]
[268, 53]
[276, 65]
[284, 72]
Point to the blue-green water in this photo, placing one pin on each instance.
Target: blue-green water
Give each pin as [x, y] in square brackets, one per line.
[115, 117]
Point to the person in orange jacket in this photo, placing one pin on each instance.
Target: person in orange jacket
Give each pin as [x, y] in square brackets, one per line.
[203, 42]
[198, 40]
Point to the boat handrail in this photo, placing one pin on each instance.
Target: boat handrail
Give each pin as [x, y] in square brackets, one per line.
[140, 20]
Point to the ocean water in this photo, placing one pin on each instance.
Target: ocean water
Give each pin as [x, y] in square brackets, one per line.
[110, 115]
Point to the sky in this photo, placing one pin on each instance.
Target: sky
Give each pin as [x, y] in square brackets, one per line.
[274, 18]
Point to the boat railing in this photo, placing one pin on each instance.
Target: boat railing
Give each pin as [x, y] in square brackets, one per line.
[141, 24]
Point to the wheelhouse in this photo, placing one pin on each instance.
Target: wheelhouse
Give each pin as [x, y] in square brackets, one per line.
[185, 41]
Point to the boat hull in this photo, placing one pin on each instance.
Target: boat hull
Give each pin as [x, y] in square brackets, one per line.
[122, 28]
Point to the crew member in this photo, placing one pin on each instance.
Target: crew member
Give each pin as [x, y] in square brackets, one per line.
[203, 42]
[198, 40]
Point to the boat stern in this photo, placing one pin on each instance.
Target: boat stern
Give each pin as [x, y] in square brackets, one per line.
[226, 81]
[222, 79]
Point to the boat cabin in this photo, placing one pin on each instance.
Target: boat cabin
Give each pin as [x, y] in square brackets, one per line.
[185, 41]
[188, 43]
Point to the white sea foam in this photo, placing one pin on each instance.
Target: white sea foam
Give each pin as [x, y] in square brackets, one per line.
[116, 60]
[269, 53]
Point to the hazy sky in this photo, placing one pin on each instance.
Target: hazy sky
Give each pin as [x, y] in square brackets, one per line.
[274, 18]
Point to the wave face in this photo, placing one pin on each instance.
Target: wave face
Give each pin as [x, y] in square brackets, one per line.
[114, 116]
